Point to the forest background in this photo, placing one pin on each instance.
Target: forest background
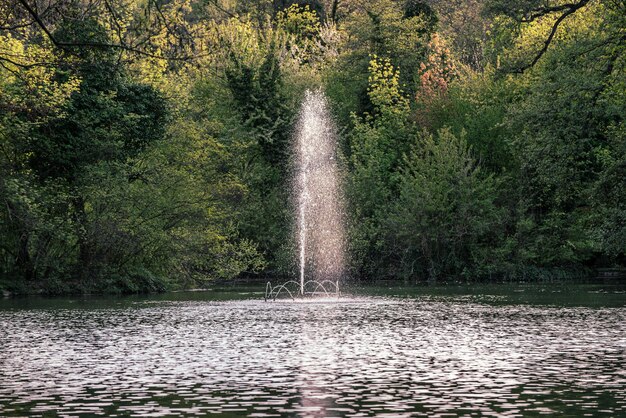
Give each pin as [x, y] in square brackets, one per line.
[145, 144]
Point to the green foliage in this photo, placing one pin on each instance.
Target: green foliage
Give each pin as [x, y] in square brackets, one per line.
[477, 105]
[97, 125]
[421, 210]
[258, 97]
[478, 139]
[466, 27]
[382, 29]
[560, 128]
[445, 221]
[300, 21]
[413, 8]
[96, 66]
[376, 146]
[37, 228]
[105, 191]
[548, 196]
[609, 196]
[263, 118]
[315, 6]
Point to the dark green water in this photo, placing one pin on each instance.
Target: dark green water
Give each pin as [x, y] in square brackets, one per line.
[503, 350]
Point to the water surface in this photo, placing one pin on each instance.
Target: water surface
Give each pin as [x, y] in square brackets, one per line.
[453, 351]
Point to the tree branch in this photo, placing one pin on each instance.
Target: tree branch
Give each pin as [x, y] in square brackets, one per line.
[333, 13]
[570, 9]
[222, 9]
[21, 65]
[121, 45]
[542, 11]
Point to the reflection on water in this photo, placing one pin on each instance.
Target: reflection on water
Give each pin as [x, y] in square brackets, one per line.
[358, 357]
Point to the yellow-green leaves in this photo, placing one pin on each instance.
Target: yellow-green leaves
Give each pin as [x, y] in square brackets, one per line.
[384, 88]
[300, 21]
[29, 81]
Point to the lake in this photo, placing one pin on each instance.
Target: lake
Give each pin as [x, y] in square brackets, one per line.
[485, 350]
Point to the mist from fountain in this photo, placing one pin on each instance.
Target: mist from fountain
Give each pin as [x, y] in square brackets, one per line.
[318, 199]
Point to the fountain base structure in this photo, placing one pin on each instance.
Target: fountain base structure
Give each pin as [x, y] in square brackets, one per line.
[293, 289]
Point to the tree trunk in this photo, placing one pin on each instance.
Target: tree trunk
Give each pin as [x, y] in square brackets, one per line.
[333, 11]
[83, 267]
[23, 261]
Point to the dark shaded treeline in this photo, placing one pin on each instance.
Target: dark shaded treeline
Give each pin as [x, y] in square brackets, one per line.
[145, 146]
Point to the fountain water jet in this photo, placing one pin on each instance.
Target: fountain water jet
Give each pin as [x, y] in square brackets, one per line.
[319, 201]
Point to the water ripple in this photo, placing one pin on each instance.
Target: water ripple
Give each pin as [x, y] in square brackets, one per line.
[365, 357]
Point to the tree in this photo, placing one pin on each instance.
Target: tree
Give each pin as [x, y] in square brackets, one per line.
[156, 29]
[541, 22]
[376, 146]
[380, 28]
[561, 128]
[444, 221]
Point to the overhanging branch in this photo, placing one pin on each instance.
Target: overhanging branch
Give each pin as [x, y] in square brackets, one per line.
[122, 46]
[567, 9]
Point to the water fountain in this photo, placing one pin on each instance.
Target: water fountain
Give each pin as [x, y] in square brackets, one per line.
[318, 199]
